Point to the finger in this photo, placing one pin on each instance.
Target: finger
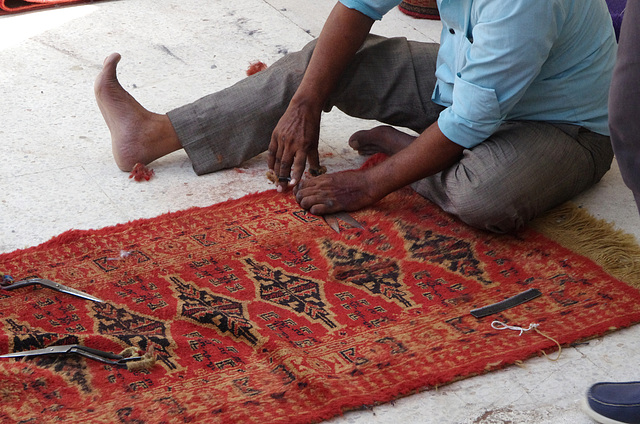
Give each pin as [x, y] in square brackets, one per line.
[319, 202]
[284, 171]
[314, 160]
[324, 208]
[305, 188]
[302, 184]
[299, 164]
[272, 151]
[309, 200]
[276, 150]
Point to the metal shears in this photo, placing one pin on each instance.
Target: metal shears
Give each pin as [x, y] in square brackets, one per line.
[98, 355]
[332, 220]
[10, 284]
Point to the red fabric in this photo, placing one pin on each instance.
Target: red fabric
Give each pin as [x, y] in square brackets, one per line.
[421, 9]
[14, 6]
[259, 313]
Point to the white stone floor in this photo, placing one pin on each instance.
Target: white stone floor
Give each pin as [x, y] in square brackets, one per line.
[57, 172]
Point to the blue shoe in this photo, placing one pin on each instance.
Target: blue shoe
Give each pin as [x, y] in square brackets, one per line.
[614, 403]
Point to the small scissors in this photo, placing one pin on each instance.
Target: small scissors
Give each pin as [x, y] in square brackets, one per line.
[332, 220]
[10, 284]
[98, 355]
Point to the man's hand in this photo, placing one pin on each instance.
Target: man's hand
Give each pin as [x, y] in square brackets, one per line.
[294, 141]
[430, 153]
[342, 191]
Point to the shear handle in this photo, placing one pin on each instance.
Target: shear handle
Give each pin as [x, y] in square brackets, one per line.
[11, 284]
[95, 353]
[101, 356]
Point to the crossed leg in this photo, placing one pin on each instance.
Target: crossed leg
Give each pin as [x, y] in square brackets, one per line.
[382, 139]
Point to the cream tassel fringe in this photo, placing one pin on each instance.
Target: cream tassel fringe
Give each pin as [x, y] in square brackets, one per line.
[616, 252]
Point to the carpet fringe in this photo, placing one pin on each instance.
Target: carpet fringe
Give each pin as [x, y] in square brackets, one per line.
[617, 252]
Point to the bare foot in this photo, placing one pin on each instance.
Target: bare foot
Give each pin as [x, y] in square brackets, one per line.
[383, 139]
[137, 135]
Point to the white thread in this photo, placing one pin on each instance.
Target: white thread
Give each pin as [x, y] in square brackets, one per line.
[123, 254]
[497, 325]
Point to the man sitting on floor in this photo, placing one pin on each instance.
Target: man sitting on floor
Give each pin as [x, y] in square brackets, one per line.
[511, 108]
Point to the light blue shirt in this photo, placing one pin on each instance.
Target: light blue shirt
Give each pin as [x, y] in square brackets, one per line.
[499, 60]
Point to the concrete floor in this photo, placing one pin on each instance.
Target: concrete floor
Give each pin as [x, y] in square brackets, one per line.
[57, 171]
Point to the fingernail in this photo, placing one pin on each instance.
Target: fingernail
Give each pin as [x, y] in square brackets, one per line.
[292, 182]
[279, 189]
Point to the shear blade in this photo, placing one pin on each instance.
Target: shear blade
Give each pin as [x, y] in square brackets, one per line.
[332, 222]
[348, 219]
[52, 285]
[87, 352]
[78, 293]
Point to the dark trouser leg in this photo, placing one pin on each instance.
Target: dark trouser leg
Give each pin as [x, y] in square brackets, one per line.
[624, 100]
[521, 171]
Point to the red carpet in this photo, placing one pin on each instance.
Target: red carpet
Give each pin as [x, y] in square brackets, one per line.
[259, 313]
[15, 6]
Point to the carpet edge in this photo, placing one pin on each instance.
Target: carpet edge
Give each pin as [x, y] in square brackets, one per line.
[74, 233]
[617, 252]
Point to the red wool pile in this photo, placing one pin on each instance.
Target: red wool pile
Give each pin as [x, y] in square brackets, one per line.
[141, 172]
[255, 67]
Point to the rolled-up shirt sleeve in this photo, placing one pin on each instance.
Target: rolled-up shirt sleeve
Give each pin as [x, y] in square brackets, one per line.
[375, 9]
[473, 116]
[493, 64]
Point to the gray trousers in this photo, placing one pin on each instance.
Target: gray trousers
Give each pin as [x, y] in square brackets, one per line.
[624, 100]
[522, 170]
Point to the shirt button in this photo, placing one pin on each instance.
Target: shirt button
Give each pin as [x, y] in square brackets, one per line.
[451, 31]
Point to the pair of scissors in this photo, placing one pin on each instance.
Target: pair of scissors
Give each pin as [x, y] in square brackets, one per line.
[98, 355]
[332, 220]
[11, 284]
